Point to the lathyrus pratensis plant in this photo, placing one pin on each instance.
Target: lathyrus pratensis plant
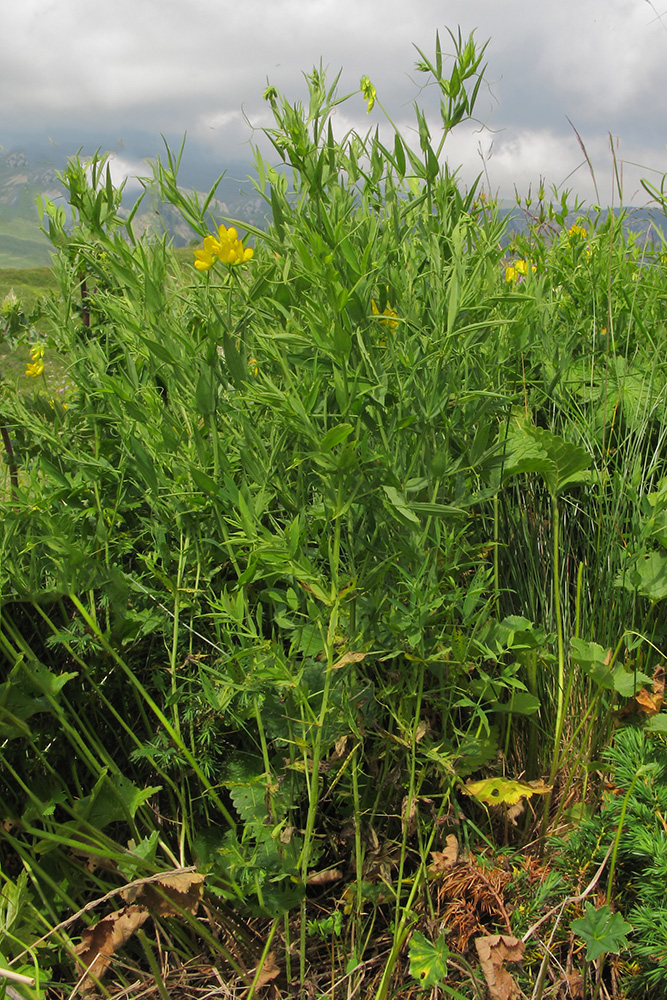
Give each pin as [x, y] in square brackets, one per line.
[253, 542]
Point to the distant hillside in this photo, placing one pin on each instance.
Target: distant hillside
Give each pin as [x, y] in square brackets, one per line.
[24, 245]
[22, 181]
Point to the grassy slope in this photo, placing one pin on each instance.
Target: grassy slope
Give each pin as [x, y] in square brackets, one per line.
[28, 284]
[23, 244]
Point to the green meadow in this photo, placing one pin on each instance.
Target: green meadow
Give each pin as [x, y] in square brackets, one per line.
[333, 570]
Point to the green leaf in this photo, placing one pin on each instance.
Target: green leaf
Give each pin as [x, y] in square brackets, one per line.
[647, 576]
[628, 682]
[657, 723]
[428, 960]
[594, 661]
[400, 505]
[113, 799]
[144, 463]
[521, 703]
[206, 392]
[335, 436]
[602, 931]
[534, 449]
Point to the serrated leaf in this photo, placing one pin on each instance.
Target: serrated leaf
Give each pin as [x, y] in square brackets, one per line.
[627, 683]
[557, 461]
[658, 723]
[428, 960]
[602, 931]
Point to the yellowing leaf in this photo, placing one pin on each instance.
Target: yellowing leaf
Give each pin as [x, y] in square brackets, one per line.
[493, 791]
[428, 960]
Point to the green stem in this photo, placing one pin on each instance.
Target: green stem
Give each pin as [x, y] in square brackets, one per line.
[155, 709]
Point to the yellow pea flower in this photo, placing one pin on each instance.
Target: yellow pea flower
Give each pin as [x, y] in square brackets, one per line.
[204, 258]
[369, 93]
[388, 315]
[35, 366]
[517, 269]
[227, 247]
[578, 232]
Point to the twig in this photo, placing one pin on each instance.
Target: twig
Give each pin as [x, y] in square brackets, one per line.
[16, 977]
[96, 902]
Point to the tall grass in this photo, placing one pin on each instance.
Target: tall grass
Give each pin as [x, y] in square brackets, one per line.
[315, 538]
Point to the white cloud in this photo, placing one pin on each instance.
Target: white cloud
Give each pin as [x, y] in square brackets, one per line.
[171, 66]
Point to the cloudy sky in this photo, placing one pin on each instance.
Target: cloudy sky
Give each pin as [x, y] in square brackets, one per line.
[80, 73]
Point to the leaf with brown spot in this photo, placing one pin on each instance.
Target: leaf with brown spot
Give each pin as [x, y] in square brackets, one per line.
[421, 730]
[99, 942]
[493, 791]
[493, 951]
[409, 814]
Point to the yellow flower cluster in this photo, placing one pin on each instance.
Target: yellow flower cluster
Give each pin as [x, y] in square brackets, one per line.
[579, 232]
[369, 93]
[226, 247]
[388, 315]
[35, 366]
[517, 269]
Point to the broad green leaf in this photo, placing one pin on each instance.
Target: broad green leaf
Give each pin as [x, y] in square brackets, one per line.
[521, 703]
[594, 661]
[206, 392]
[400, 505]
[534, 449]
[428, 960]
[627, 682]
[602, 931]
[658, 723]
[335, 436]
[647, 576]
[113, 799]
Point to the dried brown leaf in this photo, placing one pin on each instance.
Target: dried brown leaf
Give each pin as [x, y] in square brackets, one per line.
[493, 951]
[98, 943]
[322, 878]
[349, 657]
[513, 812]
[270, 970]
[409, 814]
[648, 704]
[172, 895]
[421, 730]
[443, 860]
